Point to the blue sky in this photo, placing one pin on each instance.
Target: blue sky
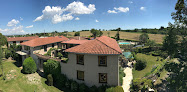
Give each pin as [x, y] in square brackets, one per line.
[26, 16]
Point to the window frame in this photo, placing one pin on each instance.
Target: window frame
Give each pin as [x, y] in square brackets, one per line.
[78, 60]
[99, 63]
[78, 71]
[100, 77]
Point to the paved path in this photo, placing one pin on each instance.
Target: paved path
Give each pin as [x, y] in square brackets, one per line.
[127, 79]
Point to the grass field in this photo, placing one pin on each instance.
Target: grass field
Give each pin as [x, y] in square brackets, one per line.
[123, 35]
[151, 61]
[18, 82]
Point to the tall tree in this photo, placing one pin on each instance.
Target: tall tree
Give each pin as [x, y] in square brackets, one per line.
[170, 42]
[3, 40]
[96, 33]
[117, 34]
[77, 34]
[144, 38]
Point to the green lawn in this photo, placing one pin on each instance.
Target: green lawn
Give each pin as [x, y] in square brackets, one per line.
[151, 61]
[18, 82]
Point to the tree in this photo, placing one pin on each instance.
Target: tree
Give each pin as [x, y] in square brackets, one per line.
[170, 42]
[143, 38]
[117, 34]
[29, 65]
[1, 62]
[3, 40]
[77, 34]
[96, 33]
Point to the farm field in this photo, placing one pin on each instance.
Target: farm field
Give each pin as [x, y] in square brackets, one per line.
[123, 35]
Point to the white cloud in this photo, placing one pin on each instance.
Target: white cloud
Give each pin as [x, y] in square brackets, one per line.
[13, 22]
[111, 11]
[29, 26]
[77, 18]
[80, 8]
[57, 14]
[130, 2]
[14, 30]
[119, 9]
[96, 21]
[122, 9]
[143, 8]
[21, 18]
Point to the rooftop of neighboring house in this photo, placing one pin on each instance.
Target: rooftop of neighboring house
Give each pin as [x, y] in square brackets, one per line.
[21, 38]
[44, 41]
[73, 41]
[100, 45]
[78, 38]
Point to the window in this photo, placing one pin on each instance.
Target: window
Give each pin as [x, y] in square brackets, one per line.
[80, 75]
[14, 42]
[53, 45]
[102, 60]
[45, 47]
[21, 41]
[80, 59]
[102, 77]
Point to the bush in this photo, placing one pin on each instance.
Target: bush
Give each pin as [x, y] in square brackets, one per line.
[77, 34]
[140, 65]
[29, 65]
[93, 89]
[68, 84]
[60, 80]
[74, 86]
[50, 80]
[83, 87]
[60, 55]
[52, 67]
[115, 89]
[102, 88]
[121, 75]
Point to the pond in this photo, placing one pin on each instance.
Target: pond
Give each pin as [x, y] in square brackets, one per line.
[124, 43]
[127, 54]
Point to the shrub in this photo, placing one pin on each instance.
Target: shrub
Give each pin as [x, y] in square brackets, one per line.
[60, 55]
[141, 84]
[121, 75]
[68, 84]
[83, 87]
[52, 67]
[74, 86]
[8, 54]
[50, 80]
[140, 65]
[29, 65]
[115, 89]
[102, 88]
[93, 89]
[60, 80]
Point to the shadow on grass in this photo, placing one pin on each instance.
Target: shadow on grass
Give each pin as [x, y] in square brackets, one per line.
[17, 63]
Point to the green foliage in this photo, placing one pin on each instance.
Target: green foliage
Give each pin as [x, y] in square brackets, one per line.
[77, 34]
[74, 86]
[96, 33]
[170, 43]
[117, 34]
[11, 51]
[29, 65]
[83, 87]
[141, 84]
[68, 84]
[52, 67]
[49, 52]
[60, 80]
[60, 55]
[93, 89]
[115, 89]
[50, 80]
[121, 75]
[143, 38]
[140, 65]
[3, 40]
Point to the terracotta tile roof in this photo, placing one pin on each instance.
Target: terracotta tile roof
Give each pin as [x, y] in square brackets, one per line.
[78, 38]
[44, 41]
[101, 45]
[21, 38]
[73, 41]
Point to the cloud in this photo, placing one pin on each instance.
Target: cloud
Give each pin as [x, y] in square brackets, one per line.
[29, 26]
[143, 8]
[21, 18]
[77, 18]
[122, 9]
[111, 11]
[13, 22]
[130, 2]
[96, 21]
[57, 14]
[14, 30]
[119, 9]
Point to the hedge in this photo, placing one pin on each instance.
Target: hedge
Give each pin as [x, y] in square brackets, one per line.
[52, 67]
[115, 89]
[29, 65]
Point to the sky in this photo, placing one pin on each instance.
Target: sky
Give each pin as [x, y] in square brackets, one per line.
[35, 16]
